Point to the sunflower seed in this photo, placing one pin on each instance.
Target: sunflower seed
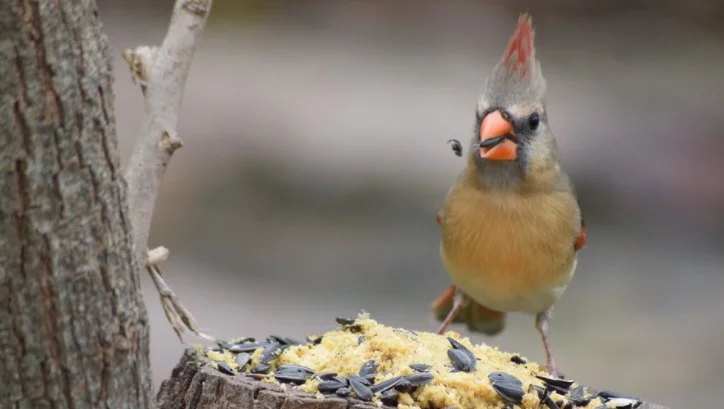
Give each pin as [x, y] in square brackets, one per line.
[403, 386]
[502, 377]
[242, 359]
[460, 360]
[460, 347]
[270, 352]
[283, 341]
[224, 368]
[361, 390]
[578, 397]
[389, 398]
[360, 379]
[291, 377]
[360, 340]
[561, 383]
[325, 376]
[420, 367]
[509, 391]
[456, 147]
[314, 339]
[247, 347]
[223, 344]
[420, 379]
[552, 405]
[368, 368]
[384, 386]
[295, 368]
[540, 391]
[344, 321]
[260, 369]
[330, 386]
[343, 392]
[518, 360]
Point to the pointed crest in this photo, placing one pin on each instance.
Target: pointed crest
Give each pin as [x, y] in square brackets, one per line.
[519, 57]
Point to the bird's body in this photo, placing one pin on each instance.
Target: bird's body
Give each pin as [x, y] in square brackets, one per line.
[511, 225]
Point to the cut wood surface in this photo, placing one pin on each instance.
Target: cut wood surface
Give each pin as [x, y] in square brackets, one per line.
[195, 383]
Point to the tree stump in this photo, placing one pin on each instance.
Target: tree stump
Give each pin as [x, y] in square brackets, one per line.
[246, 373]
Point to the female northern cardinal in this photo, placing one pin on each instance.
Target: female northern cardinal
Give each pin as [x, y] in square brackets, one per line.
[511, 224]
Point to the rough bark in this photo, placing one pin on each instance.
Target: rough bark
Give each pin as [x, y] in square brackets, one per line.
[194, 383]
[73, 327]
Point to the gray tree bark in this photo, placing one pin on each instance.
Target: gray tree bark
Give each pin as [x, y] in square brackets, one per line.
[73, 327]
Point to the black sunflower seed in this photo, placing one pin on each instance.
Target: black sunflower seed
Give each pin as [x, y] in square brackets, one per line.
[359, 379]
[242, 359]
[420, 367]
[360, 340]
[224, 368]
[283, 341]
[460, 347]
[460, 360]
[314, 339]
[330, 386]
[502, 377]
[325, 376]
[561, 383]
[540, 391]
[361, 390]
[389, 398]
[551, 404]
[344, 321]
[343, 392]
[270, 352]
[578, 397]
[291, 377]
[248, 347]
[508, 391]
[403, 386]
[295, 368]
[420, 379]
[456, 147]
[223, 344]
[260, 369]
[384, 386]
[368, 368]
[518, 360]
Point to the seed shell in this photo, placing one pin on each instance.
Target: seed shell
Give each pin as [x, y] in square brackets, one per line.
[270, 352]
[344, 321]
[551, 404]
[460, 360]
[460, 347]
[502, 377]
[384, 386]
[291, 377]
[359, 379]
[343, 392]
[420, 367]
[561, 383]
[361, 390]
[403, 386]
[330, 386]
[242, 359]
[390, 397]
[325, 376]
[295, 368]
[420, 379]
[260, 369]
[518, 360]
[224, 368]
[368, 368]
[247, 347]
[509, 391]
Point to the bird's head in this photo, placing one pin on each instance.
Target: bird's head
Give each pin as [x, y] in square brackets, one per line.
[513, 141]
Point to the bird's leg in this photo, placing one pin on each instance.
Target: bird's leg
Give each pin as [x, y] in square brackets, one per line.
[541, 324]
[459, 301]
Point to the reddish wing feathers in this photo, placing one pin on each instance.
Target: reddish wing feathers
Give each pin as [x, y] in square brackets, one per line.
[520, 52]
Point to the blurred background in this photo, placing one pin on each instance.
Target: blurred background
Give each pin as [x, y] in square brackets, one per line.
[315, 160]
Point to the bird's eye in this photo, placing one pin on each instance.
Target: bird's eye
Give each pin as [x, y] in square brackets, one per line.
[533, 121]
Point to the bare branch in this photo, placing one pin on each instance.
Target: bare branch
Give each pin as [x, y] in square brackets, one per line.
[161, 73]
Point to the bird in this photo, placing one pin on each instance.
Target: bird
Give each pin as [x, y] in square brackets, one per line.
[510, 226]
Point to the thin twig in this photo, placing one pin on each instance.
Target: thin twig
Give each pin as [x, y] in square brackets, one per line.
[179, 317]
[161, 72]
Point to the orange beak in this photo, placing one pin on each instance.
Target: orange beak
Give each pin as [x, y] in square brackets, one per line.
[495, 126]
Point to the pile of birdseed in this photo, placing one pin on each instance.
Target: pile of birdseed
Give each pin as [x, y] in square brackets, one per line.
[394, 367]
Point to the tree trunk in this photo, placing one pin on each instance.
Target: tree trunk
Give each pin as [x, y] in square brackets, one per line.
[73, 327]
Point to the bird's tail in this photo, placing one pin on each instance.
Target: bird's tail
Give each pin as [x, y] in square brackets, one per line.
[475, 316]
